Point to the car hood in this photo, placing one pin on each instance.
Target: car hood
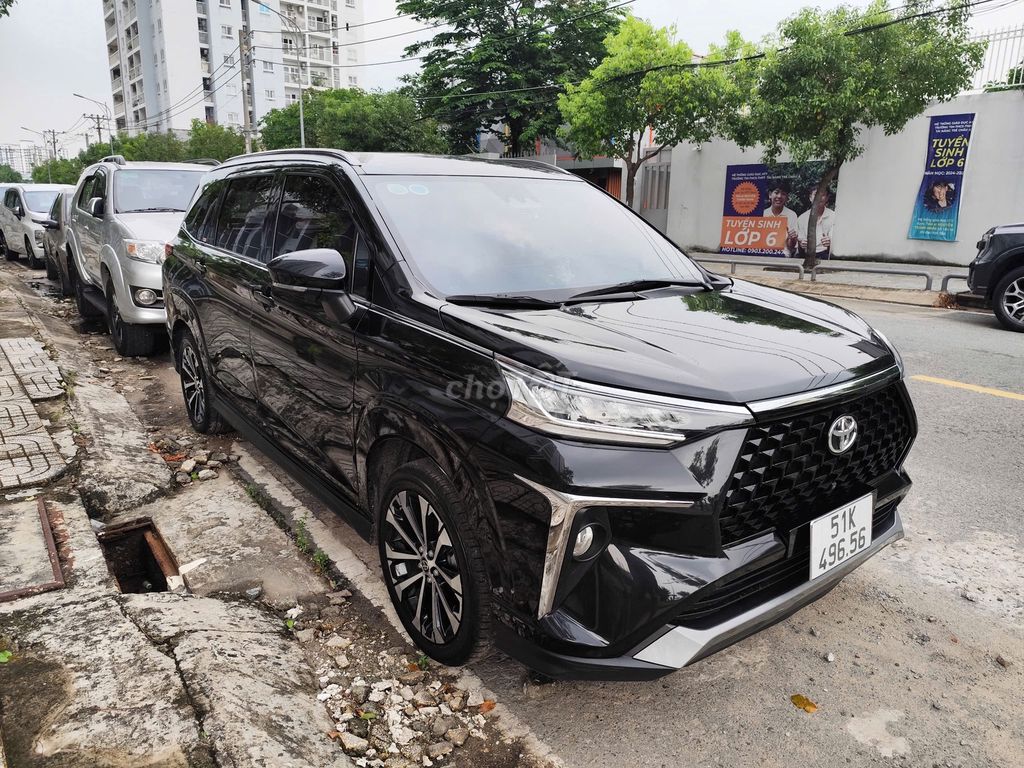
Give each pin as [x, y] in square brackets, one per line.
[737, 345]
[160, 226]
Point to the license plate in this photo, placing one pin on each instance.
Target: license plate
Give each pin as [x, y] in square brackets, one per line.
[841, 534]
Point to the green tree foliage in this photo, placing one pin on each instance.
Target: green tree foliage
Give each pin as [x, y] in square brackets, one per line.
[57, 171]
[356, 121]
[647, 80]
[5, 7]
[213, 141]
[158, 147]
[832, 74]
[8, 175]
[485, 46]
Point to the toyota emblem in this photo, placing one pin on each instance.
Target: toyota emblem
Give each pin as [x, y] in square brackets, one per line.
[842, 434]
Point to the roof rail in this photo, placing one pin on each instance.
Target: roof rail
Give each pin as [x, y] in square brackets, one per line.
[341, 155]
[204, 161]
[118, 159]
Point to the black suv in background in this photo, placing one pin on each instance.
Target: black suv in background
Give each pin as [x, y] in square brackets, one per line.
[566, 438]
[996, 276]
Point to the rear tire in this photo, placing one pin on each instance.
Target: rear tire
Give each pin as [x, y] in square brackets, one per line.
[33, 262]
[130, 339]
[432, 564]
[6, 250]
[195, 388]
[1008, 300]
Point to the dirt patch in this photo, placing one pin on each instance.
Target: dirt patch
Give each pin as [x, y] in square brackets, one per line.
[31, 692]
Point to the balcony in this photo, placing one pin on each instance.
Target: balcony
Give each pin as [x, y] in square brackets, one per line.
[204, 66]
[318, 26]
[201, 9]
[114, 59]
[115, 84]
[134, 73]
[204, 38]
[132, 43]
[318, 54]
[292, 78]
[137, 101]
[208, 95]
[108, 8]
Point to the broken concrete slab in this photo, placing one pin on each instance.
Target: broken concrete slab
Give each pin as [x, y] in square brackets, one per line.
[165, 617]
[32, 365]
[28, 557]
[224, 542]
[256, 698]
[118, 471]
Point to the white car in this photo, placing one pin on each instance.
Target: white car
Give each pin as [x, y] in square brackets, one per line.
[25, 208]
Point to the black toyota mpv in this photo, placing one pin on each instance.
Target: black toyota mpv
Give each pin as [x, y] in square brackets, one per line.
[568, 440]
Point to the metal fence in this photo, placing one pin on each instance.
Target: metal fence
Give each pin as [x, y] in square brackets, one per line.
[1003, 67]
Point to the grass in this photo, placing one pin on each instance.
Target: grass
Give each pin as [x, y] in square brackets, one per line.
[321, 561]
[302, 540]
[260, 497]
[70, 377]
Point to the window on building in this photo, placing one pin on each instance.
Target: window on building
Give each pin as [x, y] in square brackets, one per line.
[350, 3]
[352, 54]
[232, 89]
[269, 93]
[268, 66]
[353, 80]
[230, 60]
[226, 30]
[233, 117]
[225, 3]
[159, 25]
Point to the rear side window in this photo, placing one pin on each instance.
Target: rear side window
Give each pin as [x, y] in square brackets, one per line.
[241, 224]
[314, 214]
[198, 221]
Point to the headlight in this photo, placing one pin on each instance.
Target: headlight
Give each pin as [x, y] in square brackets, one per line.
[149, 251]
[574, 409]
[895, 352]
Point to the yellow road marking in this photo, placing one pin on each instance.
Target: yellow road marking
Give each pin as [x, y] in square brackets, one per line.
[971, 387]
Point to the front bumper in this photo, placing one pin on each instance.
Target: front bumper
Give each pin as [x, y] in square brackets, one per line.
[131, 275]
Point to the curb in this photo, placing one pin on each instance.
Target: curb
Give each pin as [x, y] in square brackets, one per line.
[907, 297]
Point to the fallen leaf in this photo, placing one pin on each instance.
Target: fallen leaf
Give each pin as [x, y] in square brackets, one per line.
[169, 457]
[802, 702]
[366, 715]
[5, 656]
[412, 666]
[487, 706]
[333, 735]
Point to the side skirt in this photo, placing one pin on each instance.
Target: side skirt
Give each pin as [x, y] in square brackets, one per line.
[337, 503]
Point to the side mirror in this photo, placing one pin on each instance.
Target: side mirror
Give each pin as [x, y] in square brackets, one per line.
[18, 211]
[96, 207]
[315, 269]
[50, 224]
[312, 269]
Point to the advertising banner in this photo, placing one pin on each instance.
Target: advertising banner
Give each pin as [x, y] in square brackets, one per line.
[937, 208]
[767, 208]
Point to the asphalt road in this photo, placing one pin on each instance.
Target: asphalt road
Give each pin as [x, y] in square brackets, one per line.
[926, 640]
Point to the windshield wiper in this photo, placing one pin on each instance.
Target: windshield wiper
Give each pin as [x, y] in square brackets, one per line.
[154, 210]
[501, 300]
[634, 286]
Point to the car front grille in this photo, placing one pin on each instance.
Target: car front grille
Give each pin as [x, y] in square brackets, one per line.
[730, 596]
[785, 475]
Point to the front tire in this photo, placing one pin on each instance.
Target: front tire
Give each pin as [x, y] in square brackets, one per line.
[33, 262]
[432, 564]
[130, 339]
[195, 388]
[1008, 300]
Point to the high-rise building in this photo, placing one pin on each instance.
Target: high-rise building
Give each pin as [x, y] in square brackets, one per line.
[173, 61]
[23, 157]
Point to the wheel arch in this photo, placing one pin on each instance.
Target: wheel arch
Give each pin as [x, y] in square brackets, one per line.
[1007, 263]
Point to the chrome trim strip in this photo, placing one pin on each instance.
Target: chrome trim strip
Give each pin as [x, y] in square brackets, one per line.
[681, 645]
[760, 407]
[564, 507]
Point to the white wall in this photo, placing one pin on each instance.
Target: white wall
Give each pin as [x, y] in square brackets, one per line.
[877, 191]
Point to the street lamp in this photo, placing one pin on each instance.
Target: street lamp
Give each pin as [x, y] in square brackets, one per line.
[49, 172]
[298, 29]
[106, 111]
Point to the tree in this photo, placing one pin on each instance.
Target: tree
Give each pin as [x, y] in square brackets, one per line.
[8, 175]
[646, 80]
[494, 61]
[58, 171]
[832, 74]
[356, 121]
[154, 147]
[5, 7]
[213, 141]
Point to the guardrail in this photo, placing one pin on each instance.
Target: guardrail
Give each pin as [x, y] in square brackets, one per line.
[822, 269]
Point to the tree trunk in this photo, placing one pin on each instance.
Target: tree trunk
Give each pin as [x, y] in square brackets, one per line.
[631, 169]
[811, 252]
[515, 133]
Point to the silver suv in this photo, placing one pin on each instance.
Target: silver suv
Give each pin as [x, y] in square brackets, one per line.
[121, 217]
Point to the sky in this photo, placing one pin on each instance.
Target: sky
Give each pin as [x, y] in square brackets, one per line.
[58, 48]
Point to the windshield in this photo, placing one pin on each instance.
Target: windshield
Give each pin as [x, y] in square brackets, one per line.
[40, 202]
[487, 235]
[155, 190]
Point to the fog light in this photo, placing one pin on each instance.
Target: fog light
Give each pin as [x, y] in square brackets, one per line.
[145, 297]
[584, 540]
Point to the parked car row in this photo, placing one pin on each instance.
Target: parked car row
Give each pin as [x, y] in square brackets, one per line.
[25, 209]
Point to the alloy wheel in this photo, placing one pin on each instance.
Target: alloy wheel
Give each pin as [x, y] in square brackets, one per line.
[423, 567]
[1013, 299]
[192, 384]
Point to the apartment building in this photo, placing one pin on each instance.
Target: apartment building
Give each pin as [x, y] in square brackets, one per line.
[23, 157]
[172, 61]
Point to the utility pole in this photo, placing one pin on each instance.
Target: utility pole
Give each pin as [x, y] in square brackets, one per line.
[99, 126]
[53, 141]
[243, 67]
